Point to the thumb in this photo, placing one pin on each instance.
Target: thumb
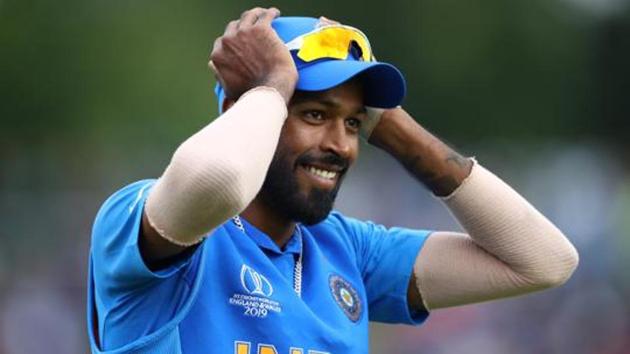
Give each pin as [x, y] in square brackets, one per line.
[374, 116]
[215, 72]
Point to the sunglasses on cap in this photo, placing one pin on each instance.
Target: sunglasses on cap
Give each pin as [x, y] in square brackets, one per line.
[332, 42]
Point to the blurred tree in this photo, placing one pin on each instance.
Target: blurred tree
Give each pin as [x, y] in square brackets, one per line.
[134, 73]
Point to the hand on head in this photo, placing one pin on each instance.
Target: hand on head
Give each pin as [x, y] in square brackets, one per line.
[250, 54]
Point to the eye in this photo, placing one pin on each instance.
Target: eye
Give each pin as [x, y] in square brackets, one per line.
[314, 115]
[353, 123]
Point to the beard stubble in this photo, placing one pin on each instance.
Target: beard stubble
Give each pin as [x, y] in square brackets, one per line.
[281, 189]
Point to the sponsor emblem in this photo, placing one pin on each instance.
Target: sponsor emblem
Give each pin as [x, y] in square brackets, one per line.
[255, 283]
[346, 297]
[255, 300]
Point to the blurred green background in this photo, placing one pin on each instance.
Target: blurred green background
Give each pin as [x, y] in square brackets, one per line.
[97, 94]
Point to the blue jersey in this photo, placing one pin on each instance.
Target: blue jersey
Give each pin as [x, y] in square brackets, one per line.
[235, 293]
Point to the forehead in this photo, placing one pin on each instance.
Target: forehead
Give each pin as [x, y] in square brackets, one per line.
[348, 95]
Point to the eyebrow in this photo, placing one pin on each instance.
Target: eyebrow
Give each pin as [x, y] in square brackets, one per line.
[328, 103]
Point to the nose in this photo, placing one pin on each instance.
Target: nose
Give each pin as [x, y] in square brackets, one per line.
[337, 140]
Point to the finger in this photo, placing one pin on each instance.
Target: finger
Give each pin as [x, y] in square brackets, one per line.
[267, 16]
[216, 47]
[247, 12]
[213, 68]
[231, 28]
[250, 17]
[216, 74]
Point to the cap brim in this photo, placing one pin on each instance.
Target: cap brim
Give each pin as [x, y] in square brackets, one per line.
[383, 84]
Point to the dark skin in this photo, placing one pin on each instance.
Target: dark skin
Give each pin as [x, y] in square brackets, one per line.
[326, 121]
[249, 54]
[432, 162]
[321, 122]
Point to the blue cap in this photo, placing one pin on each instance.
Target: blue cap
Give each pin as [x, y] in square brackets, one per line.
[383, 84]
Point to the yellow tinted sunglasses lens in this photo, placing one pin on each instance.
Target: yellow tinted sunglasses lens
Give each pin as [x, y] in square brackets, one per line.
[333, 43]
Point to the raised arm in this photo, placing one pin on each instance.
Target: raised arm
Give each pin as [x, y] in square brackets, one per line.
[511, 248]
[217, 172]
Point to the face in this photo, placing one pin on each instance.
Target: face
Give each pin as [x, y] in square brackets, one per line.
[318, 144]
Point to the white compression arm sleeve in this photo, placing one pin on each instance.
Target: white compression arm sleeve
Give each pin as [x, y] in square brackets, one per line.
[218, 171]
[512, 249]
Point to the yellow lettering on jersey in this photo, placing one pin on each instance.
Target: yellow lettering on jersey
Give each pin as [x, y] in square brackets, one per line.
[266, 349]
[241, 347]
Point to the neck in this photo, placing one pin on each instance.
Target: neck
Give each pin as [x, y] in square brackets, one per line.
[276, 226]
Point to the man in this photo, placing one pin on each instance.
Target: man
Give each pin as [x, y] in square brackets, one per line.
[234, 249]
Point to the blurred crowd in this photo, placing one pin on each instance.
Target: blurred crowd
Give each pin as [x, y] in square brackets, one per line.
[582, 188]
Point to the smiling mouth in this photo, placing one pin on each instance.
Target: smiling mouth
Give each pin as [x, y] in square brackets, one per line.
[321, 173]
[322, 177]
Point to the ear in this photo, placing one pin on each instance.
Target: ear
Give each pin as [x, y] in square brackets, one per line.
[227, 103]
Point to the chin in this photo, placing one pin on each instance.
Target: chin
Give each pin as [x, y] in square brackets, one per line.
[313, 219]
[286, 191]
[313, 208]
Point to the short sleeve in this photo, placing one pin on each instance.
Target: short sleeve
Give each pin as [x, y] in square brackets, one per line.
[126, 291]
[385, 258]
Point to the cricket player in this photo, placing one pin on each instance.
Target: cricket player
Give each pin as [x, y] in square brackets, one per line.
[235, 248]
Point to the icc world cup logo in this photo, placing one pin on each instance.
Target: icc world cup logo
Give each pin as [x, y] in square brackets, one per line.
[255, 283]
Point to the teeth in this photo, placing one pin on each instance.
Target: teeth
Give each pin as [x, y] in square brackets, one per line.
[322, 173]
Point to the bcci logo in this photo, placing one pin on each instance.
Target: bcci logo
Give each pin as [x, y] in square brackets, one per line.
[255, 283]
[346, 297]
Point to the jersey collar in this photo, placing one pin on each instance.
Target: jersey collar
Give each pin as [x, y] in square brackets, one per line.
[265, 242]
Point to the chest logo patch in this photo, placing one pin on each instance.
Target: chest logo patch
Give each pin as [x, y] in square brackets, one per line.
[255, 300]
[255, 283]
[346, 297]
